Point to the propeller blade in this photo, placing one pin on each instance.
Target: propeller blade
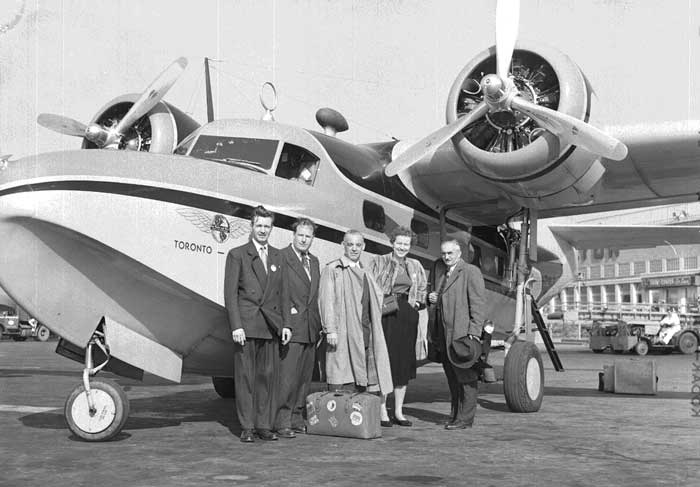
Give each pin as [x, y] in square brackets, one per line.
[574, 130]
[152, 95]
[507, 19]
[430, 143]
[61, 124]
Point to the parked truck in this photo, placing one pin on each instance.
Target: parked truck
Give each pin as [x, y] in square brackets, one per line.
[18, 327]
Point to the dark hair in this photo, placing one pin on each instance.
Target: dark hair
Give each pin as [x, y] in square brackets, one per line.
[261, 212]
[401, 232]
[304, 222]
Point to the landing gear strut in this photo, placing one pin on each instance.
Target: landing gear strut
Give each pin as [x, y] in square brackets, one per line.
[97, 409]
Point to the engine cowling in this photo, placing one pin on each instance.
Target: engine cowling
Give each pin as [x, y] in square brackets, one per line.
[509, 148]
[159, 132]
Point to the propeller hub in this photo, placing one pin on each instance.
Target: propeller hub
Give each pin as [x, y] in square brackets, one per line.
[97, 134]
[492, 86]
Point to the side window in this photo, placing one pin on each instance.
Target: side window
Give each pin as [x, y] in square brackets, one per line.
[422, 232]
[373, 215]
[185, 144]
[297, 164]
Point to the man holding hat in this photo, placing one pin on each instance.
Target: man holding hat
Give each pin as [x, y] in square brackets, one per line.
[457, 315]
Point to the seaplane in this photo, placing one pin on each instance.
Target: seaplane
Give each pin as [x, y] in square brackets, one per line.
[119, 246]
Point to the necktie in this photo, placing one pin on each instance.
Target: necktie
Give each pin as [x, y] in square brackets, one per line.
[444, 281]
[306, 263]
[263, 256]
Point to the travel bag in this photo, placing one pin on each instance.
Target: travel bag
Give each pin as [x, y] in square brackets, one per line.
[343, 413]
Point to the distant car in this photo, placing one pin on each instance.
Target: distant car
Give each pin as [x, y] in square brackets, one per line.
[19, 330]
[621, 337]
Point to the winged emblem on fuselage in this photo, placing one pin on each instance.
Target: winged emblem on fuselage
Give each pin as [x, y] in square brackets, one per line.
[218, 226]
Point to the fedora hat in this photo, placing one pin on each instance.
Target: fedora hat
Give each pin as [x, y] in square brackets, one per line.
[463, 352]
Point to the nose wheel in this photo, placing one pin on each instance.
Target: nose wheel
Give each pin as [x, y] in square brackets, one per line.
[96, 409]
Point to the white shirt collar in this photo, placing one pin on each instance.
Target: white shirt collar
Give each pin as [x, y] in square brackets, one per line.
[259, 246]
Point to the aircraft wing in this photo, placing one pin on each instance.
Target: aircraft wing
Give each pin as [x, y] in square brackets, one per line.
[662, 167]
[625, 236]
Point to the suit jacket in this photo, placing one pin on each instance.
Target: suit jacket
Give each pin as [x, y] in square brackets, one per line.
[462, 303]
[256, 301]
[305, 319]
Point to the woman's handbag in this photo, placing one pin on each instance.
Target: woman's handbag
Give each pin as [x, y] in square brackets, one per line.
[390, 304]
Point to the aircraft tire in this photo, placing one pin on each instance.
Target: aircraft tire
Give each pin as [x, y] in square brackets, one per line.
[112, 411]
[224, 387]
[687, 342]
[523, 378]
[42, 333]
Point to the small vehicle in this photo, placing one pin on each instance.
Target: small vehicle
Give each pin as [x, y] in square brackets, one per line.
[621, 336]
[18, 329]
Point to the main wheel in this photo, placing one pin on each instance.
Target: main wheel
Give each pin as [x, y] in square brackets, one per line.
[42, 333]
[224, 386]
[106, 420]
[687, 342]
[642, 347]
[523, 378]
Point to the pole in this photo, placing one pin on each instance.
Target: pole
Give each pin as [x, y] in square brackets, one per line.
[210, 102]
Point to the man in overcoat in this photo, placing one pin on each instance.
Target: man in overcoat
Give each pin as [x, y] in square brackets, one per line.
[457, 315]
[350, 302]
[297, 358]
[255, 294]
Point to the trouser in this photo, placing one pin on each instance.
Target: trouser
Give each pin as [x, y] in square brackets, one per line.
[296, 367]
[463, 395]
[255, 373]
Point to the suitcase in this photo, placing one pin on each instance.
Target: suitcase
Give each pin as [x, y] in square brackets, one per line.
[342, 413]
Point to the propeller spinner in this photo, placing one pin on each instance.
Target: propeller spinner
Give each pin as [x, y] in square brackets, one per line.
[110, 137]
[502, 95]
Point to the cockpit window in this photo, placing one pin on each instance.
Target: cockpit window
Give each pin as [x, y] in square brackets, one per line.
[297, 164]
[256, 154]
[185, 144]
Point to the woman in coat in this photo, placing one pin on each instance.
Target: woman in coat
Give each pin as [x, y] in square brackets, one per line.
[404, 278]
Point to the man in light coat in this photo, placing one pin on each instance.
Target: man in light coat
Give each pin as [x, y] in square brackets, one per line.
[350, 303]
[457, 315]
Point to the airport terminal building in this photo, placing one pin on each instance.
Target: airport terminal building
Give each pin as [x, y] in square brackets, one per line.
[644, 282]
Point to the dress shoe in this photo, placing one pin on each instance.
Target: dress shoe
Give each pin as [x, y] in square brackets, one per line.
[267, 435]
[385, 424]
[247, 436]
[401, 422]
[299, 429]
[457, 425]
[286, 433]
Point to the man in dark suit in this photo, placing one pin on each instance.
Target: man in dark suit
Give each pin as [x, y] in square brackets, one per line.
[297, 358]
[255, 293]
[457, 315]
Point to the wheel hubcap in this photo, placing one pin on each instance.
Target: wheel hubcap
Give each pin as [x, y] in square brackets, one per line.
[533, 378]
[98, 419]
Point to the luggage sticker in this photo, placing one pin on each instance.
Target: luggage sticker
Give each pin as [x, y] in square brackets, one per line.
[331, 405]
[356, 418]
[333, 421]
[357, 406]
[313, 420]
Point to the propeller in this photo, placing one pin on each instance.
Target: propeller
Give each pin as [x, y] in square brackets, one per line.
[507, 18]
[61, 124]
[109, 137]
[577, 131]
[501, 94]
[425, 146]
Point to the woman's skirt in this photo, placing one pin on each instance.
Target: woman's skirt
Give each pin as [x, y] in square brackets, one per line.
[400, 333]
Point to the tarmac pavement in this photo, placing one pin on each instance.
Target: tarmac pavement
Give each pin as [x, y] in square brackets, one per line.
[184, 434]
